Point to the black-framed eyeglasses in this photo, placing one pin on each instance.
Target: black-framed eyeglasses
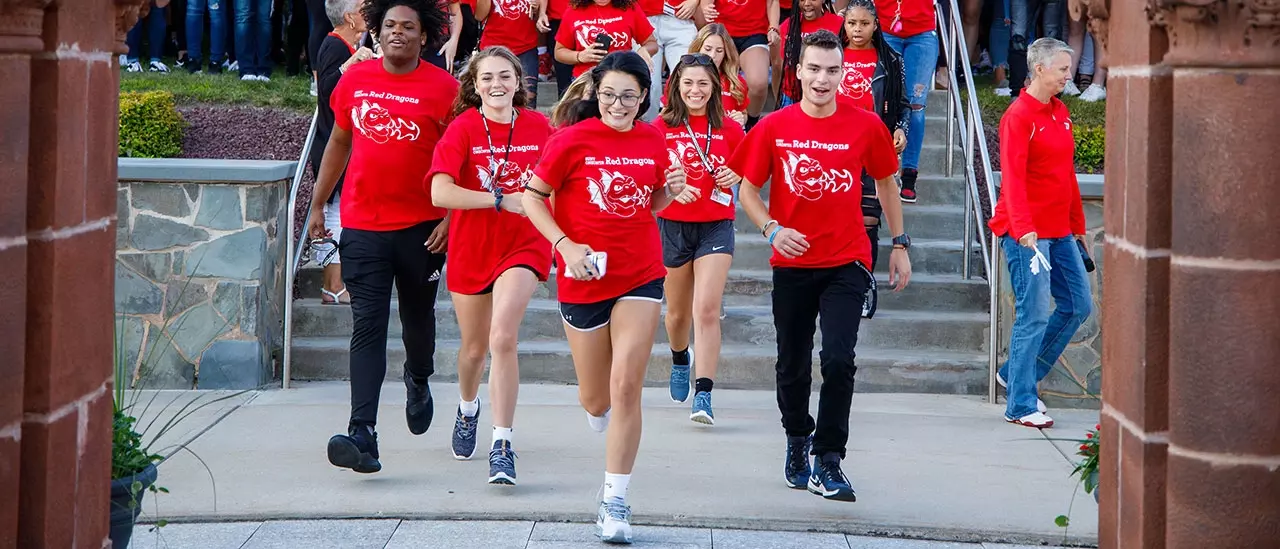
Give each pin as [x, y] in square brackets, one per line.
[323, 257]
[609, 98]
[697, 59]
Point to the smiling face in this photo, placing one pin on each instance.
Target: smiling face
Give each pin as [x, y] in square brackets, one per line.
[810, 9]
[496, 82]
[858, 26]
[401, 35]
[820, 73]
[1056, 73]
[696, 88]
[713, 47]
[619, 97]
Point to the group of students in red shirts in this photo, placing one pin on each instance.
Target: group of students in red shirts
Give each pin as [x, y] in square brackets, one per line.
[464, 176]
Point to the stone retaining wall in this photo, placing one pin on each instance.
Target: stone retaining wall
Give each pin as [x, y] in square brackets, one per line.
[199, 292]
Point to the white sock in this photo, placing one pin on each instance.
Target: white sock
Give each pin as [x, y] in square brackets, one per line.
[598, 424]
[501, 433]
[615, 486]
[469, 409]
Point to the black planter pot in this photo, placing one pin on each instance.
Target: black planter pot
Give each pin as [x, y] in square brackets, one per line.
[123, 514]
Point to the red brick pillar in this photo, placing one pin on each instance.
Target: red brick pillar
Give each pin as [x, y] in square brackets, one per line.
[59, 83]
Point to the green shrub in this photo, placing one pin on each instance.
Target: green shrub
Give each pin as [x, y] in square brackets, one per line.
[150, 126]
[1091, 146]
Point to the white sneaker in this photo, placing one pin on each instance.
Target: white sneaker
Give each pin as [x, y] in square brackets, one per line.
[598, 424]
[248, 78]
[263, 78]
[613, 520]
[1035, 419]
[314, 91]
[133, 67]
[1040, 407]
[1071, 89]
[1094, 93]
[157, 66]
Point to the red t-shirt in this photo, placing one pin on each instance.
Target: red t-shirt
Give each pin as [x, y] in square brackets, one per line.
[604, 181]
[509, 24]
[485, 243]
[828, 21]
[681, 148]
[395, 121]
[816, 166]
[859, 69]
[660, 7]
[743, 18]
[916, 16]
[579, 27]
[1038, 187]
[556, 9]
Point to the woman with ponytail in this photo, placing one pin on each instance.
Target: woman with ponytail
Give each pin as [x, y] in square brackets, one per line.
[807, 17]
[873, 80]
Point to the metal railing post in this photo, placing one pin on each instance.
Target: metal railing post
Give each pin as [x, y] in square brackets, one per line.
[293, 252]
[993, 335]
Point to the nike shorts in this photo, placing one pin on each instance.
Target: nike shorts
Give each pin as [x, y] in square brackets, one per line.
[684, 241]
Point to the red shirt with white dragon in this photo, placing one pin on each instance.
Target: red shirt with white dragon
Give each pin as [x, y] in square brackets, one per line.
[395, 121]
[683, 148]
[484, 243]
[859, 70]
[580, 26]
[816, 166]
[604, 182]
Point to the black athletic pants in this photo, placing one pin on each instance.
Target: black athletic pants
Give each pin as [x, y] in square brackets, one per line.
[371, 262]
[800, 297]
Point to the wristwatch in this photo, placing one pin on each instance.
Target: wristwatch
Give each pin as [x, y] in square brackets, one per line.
[902, 240]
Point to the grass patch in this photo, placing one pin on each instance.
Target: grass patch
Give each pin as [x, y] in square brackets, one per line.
[1083, 113]
[291, 92]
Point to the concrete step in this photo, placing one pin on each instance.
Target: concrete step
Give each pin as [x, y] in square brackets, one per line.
[880, 370]
[742, 325]
[924, 222]
[752, 251]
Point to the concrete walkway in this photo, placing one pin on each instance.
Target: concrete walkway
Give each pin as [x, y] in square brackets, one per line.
[925, 466]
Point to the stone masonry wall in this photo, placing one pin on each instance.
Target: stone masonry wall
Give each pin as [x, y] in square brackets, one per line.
[199, 283]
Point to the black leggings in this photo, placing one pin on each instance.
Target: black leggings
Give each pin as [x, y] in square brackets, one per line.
[372, 262]
[320, 28]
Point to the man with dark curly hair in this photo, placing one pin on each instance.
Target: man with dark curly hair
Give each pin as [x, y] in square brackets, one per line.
[389, 113]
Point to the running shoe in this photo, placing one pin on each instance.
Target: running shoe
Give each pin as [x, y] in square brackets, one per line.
[796, 468]
[702, 409]
[464, 434]
[419, 408]
[502, 464]
[680, 379]
[357, 450]
[614, 521]
[829, 481]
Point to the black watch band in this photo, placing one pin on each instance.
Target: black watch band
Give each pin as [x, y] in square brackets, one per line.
[902, 240]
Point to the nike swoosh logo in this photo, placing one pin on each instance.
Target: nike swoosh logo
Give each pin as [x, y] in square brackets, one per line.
[717, 248]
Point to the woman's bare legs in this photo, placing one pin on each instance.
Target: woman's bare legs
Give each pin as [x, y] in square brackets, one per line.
[709, 275]
[755, 69]
[678, 289]
[635, 321]
[511, 294]
[592, 357]
[474, 314]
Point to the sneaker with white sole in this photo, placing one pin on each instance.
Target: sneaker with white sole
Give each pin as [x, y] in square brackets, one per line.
[133, 67]
[598, 424]
[1071, 89]
[157, 66]
[1040, 407]
[1094, 93]
[464, 434]
[613, 521]
[1034, 419]
[502, 464]
[680, 379]
[702, 409]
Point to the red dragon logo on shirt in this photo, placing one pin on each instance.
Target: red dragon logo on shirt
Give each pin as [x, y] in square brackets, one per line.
[854, 84]
[376, 123]
[807, 179]
[586, 36]
[511, 9]
[617, 193]
[509, 177]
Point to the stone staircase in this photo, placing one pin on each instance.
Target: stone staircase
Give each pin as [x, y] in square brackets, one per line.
[931, 338]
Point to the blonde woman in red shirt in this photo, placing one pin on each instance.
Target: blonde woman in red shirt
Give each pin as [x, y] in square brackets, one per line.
[714, 41]
[1040, 222]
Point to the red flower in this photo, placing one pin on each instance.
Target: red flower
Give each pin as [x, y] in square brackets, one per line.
[1088, 435]
[1084, 447]
[1097, 427]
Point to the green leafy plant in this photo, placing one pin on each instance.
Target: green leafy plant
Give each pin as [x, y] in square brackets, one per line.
[1091, 146]
[1086, 469]
[150, 125]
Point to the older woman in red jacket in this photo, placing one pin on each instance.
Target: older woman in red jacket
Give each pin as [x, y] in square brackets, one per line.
[1039, 220]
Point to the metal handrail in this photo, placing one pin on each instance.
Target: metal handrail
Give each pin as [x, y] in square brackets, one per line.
[293, 250]
[969, 115]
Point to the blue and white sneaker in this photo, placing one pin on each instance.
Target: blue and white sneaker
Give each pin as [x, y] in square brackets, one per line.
[795, 470]
[464, 435]
[502, 464]
[680, 379]
[614, 521]
[702, 409]
[829, 481]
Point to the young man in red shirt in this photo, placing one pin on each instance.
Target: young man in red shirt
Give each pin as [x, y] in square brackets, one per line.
[815, 153]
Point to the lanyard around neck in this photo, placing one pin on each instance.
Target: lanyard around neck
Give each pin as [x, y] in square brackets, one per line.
[694, 137]
[494, 166]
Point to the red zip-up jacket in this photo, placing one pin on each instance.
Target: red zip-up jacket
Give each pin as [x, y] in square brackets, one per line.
[1038, 187]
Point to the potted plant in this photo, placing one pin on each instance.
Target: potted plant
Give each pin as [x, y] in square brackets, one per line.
[1086, 469]
[133, 470]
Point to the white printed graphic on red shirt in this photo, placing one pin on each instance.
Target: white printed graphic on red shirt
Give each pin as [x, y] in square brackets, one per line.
[686, 154]
[617, 193]
[807, 178]
[589, 29]
[376, 123]
[511, 9]
[854, 84]
[509, 176]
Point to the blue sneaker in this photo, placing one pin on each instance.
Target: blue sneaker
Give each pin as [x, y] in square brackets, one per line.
[464, 435]
[796, 468]
[502, 464]
[829, 481]
[680, 379]
[702, 409]
[613, 520]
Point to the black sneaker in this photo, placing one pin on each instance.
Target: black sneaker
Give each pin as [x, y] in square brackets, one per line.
[193, 66]
[464, 434]
[357, 450]
[828, 480]
[796, 468]
[908, 192]
[419, 408]
[502, 464]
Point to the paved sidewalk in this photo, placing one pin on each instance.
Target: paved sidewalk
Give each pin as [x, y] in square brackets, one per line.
[925, 466]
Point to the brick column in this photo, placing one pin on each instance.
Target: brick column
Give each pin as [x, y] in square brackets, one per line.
[57, 233]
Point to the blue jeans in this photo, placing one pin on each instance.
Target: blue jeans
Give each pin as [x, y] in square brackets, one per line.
[920, 60]
[1025, 10]
[1039, 335]
[999, 37]
[253, 36]
[529, 65]
[155, 23]
[195, 31]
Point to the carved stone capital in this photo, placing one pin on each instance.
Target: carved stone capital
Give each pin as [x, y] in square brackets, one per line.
[1219, 33]
[21, 22]
[1099, 14]
[127, 13]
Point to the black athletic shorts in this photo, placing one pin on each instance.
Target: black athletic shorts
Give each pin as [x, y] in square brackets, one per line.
[685, 241]
[751, 40]
[586, 317]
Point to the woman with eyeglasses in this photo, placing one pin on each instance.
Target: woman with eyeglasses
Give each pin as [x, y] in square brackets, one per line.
[607, 175]
[697, 238]
[497, 258]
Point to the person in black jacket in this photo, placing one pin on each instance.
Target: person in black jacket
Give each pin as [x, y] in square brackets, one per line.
[861, 35]
[337, 51]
